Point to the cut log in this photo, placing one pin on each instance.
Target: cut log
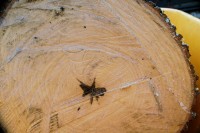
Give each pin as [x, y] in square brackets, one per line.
[92, 66]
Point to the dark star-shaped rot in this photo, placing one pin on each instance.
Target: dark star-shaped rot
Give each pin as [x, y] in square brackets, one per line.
[92, 90]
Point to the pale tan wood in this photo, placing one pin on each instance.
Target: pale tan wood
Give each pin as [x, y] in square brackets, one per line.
[125, 45]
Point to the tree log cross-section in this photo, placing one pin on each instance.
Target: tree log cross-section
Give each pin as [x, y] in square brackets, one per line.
[52, 51]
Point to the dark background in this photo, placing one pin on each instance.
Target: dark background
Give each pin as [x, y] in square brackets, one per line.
[189, 6]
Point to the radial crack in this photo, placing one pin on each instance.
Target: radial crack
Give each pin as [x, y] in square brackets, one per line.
[156, 96]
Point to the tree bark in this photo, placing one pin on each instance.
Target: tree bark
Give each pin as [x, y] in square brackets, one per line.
[50, 48]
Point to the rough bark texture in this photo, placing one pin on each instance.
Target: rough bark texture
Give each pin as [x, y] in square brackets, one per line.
[48, 45]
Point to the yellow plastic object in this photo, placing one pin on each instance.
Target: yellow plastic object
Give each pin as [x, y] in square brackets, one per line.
[189, 27]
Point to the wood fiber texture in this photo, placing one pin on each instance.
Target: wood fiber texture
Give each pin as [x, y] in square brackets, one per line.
[48, 45]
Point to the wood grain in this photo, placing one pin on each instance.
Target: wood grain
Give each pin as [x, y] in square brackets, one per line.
[125, 45]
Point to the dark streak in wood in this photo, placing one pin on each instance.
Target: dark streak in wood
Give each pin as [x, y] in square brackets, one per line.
[158, 24]
[138, 2]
